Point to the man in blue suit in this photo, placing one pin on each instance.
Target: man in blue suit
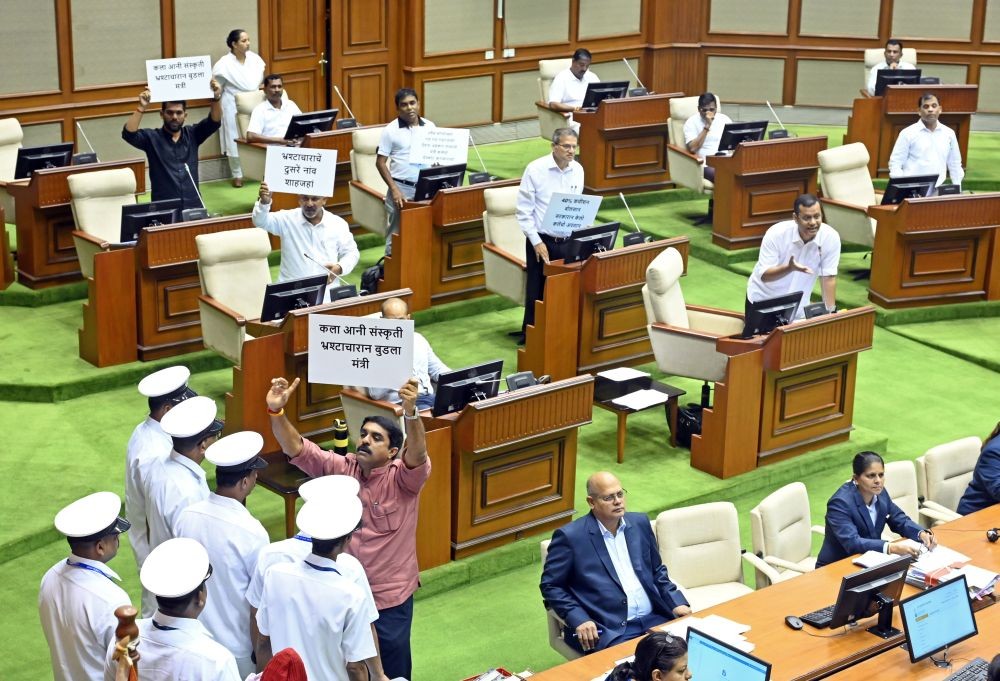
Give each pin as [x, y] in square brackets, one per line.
[603, 575]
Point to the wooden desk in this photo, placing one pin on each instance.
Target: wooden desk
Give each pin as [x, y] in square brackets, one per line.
[935, 251]
[757, 186]
[592, 316]
[46, 255]
[6, 258]
[876, 121]
[607, 391]
[623, 145]
[438, 251]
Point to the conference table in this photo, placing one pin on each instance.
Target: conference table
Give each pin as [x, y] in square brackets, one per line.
[818, 653]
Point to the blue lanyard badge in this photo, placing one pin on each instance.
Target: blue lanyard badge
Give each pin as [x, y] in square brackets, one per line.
[322, 568]
[84, 566]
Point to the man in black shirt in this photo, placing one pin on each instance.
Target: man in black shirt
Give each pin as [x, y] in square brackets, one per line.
[170, 148]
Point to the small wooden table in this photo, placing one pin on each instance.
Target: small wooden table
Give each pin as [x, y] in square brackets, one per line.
[606, 391]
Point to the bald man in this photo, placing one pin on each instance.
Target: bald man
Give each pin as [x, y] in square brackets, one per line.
[590, 577]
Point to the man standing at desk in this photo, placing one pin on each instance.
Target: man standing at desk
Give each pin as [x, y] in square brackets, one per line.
[927, 147]
[793, 254]
[556, 172]
[893, 60]
[269, 120]
[570, 86]
[172, 150]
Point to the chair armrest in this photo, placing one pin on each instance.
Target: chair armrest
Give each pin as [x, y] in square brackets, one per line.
[660, 327]
[500, 253]
[367, 190]
[818, 529]
[844, 204]
[788, 565]
[759, 564]
[938, 512]
[683, 152]
[552, 613]
[216, 305]
[715, 311]
[90, 238]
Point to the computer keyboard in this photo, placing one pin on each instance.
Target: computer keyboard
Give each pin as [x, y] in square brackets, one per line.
[819, 618]
[973, 671]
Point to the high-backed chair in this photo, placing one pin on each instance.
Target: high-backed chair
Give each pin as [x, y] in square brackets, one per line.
[781, 531]
[555, 624]
[848, 192]
[234, 273]
[548, 120]
[11, 136]
[875, 55]
[96, 200]
[367, 186]
[684, 336]
[503, 250]
[251, 157]
[357, 405]
[943, 473]
[901, 484]
[685, 168]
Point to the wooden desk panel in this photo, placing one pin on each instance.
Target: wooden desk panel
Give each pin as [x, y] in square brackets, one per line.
[6, 258]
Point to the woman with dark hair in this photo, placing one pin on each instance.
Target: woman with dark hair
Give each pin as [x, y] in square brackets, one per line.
[858, 512]
[239, 71]
[703, 131]
[984, 488]
[658, 657]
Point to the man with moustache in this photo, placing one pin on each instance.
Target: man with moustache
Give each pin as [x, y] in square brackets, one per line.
[269, 120]
[893, 60]
[927, 147]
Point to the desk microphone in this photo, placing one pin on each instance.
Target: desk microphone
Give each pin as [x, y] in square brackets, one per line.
[194, 184]
[636, 76]
[476, 178]
[346, 283]
[636, 237]
[84, 135]
[344, 102]
[784, 130]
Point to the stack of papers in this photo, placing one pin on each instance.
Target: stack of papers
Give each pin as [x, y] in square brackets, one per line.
[622, 374]
[934, 567]
[641, 399]
[721, 628]
[980, 581]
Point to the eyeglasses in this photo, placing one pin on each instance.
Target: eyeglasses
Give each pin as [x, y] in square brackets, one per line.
[608, 498]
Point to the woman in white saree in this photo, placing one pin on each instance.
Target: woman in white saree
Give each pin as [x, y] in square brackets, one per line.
[239, 71]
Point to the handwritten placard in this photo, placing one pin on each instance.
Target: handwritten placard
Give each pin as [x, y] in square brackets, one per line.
[179, 78]
[569, 212]
[365, 351]
[300, 171]
[441, 146]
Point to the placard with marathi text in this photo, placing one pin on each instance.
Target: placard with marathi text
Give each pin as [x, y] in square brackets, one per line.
[294, 170]
[364, 351]
[179, 78]
[569, 212]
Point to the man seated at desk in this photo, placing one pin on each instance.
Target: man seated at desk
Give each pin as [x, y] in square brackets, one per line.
[927, 147]
[703, 131]
[570, 86]
[893, 60]
[603, 575]
[269, 119]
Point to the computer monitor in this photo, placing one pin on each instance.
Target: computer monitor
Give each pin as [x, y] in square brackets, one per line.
[294, 294]
[341, 292]
[869, 592]
[766, 315]
[314, 121]
[456, 389]
[137, 216]
[710, 658]
[30, 159]
[430, 180]
[598, 92]
[887, 77]
[938, 618]
[912, 187]
[585, 242]
[735, 133]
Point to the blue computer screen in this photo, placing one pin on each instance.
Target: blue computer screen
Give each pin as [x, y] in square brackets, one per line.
[937, 618]
[709, 658]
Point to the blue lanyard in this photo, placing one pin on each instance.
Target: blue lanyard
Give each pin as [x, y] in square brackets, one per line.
[322, 568]
[163, 627]
[84, 566]
[302, 537]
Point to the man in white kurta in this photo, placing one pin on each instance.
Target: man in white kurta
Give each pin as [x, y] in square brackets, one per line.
[928, 147]
[269, 120]
[569, 87]
[893, 60]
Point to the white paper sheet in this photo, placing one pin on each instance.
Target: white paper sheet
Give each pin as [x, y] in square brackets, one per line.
[641, 399]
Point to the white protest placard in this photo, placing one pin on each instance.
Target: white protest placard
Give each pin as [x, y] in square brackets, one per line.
[365, 351]
[300, 171]
[569, 212]
[179, 78]
[441, 146]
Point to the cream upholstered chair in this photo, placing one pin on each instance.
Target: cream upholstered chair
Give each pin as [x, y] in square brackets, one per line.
[96, 200]
[700, 545]
[503, 250]
[357, 405]
[548, 120]
[555, 624]
[781, 531]
[848, 192]
[367, 186]
[901, 483]
[685, 168]
[251, 157]
[875, 55]
[943, 473]
[234, 273]
[11, 136]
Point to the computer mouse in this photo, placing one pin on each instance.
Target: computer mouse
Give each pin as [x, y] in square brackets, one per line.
[793, 622]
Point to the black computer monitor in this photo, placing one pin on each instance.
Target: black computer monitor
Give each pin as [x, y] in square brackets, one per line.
[766, 315]
[430, 180]
[869, 592]
[30, 159]
[710, 658]
[598, 92]
[456, 389]
[912, 187]
[585, 242]
[137, 216]
[341, 292]
[938, 618]
[887, 77]
[314, 121]
[735, 133]
[294, 294]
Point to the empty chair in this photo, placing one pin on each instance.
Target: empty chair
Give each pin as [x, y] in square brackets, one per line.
[96, 200]
[943, 473]
[554, 622]
[548, 120]
[848, 192]
[11, 136]
[503, 250]
[781, 531]
[901, 484]
[367, 188]
[251, 157]
[685, 168]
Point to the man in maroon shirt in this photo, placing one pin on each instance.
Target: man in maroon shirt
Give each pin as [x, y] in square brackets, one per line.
[391, 477]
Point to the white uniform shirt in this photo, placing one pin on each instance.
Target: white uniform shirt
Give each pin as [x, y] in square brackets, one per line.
[693, 127]
[922, 151]
[312, 607]
[174, 485]
[426, 367]
[782, 241]
[233, 538]
[873, 74]
[271, 122]
[76, 605]
[182, 650]
[148, 447]
[395, 144]
[540, 180]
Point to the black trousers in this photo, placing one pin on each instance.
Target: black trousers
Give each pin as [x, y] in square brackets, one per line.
[535, 286]
[393, 628]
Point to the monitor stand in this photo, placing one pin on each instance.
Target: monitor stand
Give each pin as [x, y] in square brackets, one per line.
[943, 662]
[884, 628]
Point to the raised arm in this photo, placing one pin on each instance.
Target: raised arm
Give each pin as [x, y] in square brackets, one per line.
[286, 434]
[415, 450]
[135, 120]
[215, 113]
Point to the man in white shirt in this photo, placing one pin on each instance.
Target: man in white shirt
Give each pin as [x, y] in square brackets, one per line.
[148, 447]
[893, 60]
[79, 594]
[703, 131]
[569, 87]
[233, 538]
[927, 147]
[269, 119]
[556, 172]
[793, 254]
[313, 240]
